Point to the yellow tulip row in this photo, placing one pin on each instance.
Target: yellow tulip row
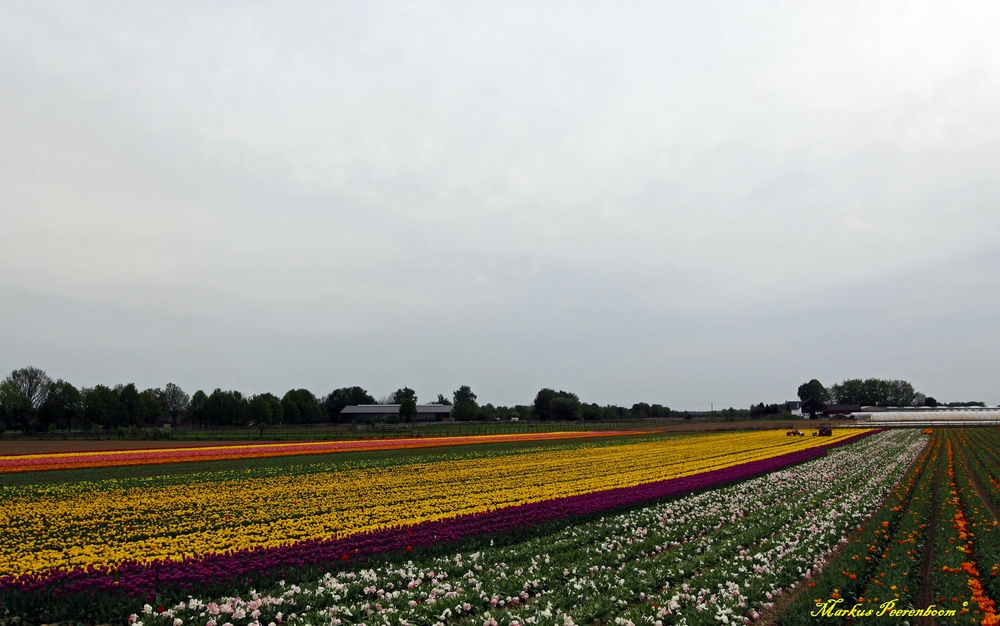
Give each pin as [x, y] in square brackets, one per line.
[59, 528]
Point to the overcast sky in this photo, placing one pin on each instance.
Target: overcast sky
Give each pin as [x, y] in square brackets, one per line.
[685, 203]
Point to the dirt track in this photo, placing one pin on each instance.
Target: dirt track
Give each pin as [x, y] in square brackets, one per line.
[39, 446]
[35, 446]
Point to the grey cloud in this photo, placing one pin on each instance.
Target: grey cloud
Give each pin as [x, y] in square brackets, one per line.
[682, 204]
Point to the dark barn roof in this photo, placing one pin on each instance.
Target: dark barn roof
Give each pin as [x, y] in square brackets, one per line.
[424, 411]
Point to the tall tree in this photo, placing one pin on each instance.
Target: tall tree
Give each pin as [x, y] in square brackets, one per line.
[14, 409]
[442, 400]
[814, 390]
[177, 401]
[465, 411]
[259, 411]
[466, 408]
[851, 391]
[403, 394]
[565, 408]
[902, 393]
[132, 404]
[542, 401]
[641, 410]
[592, 412]
[300, 406]
[277, 412]
[568, 409]
[196, 408]
[31, 385]
[408, 410]
[337, 399]
[156, 410]
[464, 394]
[63, 406]
[101, 407]
[22, 393]
[873, 392]
[225, 408]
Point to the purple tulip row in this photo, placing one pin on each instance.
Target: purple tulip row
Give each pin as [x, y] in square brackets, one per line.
[244, 567]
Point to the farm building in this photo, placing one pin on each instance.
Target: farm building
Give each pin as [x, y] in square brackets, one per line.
[382, 412]
[927, 417]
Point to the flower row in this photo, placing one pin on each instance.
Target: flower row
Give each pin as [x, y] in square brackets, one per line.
[68, 590]
[65, 528]
[719, 556]
[155, 456]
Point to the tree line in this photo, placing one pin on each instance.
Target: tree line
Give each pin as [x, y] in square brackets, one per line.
[30, 401]
[872, 392]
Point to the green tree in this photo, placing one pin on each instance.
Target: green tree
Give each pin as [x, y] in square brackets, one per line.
[177, 401]
[22, 393]
[488, 413]
[814, 390]
[658, 410]
[196, 408]
[442, 400]
[63, 406]
[259, 411]
[404, 394]
[641, 410]
[464, 394]
[132, 404]
[31, 385]
[290, 410]
[408, 410]
[277, 411]
[612, 412]
[541, 404]
[466, 409]
[225, 408]
[592, 412]
[101, 407]
[335, 402]
[300, 406]
[155, 408]
[565, 408]
[851, 391]
[13, 408]
[901, 393]
[873, 392]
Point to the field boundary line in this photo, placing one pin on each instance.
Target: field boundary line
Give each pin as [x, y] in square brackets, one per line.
[925, 594]
[990, 506]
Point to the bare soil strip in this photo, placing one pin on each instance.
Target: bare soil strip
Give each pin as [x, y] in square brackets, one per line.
[925, 594]
[990, 506]
[41, 446]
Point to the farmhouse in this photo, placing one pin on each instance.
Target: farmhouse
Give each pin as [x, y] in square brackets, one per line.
[383, 412]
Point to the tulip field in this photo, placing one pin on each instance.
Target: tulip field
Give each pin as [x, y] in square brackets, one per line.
[941, 521]
[74, 460]
[629, 529]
